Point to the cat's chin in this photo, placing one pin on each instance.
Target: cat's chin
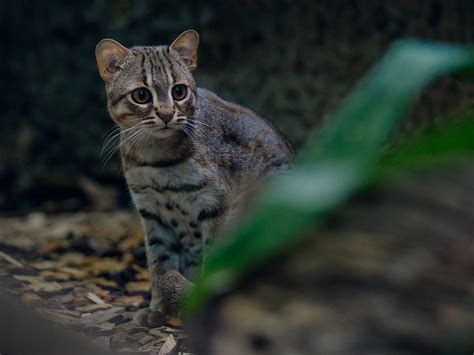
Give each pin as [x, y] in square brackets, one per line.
[164, 133]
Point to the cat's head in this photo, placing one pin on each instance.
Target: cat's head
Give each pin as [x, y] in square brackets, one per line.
[150, 87]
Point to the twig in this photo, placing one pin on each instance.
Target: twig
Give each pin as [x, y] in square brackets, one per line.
[94, 298]
[11, 259]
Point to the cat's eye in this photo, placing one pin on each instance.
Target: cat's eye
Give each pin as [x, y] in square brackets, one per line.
[141, 95]
[179, 92]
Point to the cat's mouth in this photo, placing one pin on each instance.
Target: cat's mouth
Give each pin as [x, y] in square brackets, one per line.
[164, 131]
[169, 128]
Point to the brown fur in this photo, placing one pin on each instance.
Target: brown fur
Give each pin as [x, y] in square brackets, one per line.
[200, 153]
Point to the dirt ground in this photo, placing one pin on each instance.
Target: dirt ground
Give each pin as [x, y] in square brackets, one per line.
[86, 272]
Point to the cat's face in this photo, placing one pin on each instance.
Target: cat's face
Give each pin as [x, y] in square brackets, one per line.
[150, 88]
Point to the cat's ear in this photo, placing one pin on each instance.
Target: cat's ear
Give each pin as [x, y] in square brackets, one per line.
[110, 55]
[186, 46]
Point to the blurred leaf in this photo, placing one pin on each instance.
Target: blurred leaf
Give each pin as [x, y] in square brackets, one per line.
[466, 74]
[334, 164]
[453, 140]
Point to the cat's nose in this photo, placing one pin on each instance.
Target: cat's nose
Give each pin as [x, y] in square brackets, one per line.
[166, 116]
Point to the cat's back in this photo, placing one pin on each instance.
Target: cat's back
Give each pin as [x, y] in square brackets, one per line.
[244, 141]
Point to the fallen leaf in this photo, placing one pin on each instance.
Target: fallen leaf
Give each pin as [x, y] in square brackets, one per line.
[133, 241]
[50, 247]
[104, 294]
[103, 328]
[130, 328]
[38, 284]
[141, 273]
[156, 332]
[61, 299]
[138, 286]
[44, 264]
[128, 258]
[76, 273]
[10, 259]
[119, 339]
[129, 301]
[103, 282]
[102, 316]
[145, 338]
[166, 329]
[94, 298]
[92, 307]
[168, 346]
[71, 259]
[137, 335]
[174, 322]
[152, 347]
[32, 299]
[105, 266]
[68, 312]
[50, 275]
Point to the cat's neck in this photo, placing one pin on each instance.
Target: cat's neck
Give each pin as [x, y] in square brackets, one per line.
[149, 149]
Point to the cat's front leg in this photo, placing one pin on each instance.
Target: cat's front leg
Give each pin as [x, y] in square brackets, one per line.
[166, 281]
[171, 288]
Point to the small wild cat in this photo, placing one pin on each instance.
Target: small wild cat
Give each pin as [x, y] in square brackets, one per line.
[188, 156]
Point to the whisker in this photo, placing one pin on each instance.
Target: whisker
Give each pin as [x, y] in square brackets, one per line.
[109, 136]
[114, 150]
[134, 145]
[197, 128]
[116, 126]
[112, 130]
[187, 131]
[133, 141]
[195, 119]
[111, 139]
[113, 134]
[122, 143]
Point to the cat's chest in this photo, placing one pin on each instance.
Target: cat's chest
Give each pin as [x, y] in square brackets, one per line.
[177, 196]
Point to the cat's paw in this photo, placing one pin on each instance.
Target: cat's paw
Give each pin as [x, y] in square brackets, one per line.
[150, 318]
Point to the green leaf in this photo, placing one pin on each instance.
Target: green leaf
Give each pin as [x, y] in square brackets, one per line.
[452, 141]
[334, 164]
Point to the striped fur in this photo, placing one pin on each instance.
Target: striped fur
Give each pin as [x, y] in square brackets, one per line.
[187, 180]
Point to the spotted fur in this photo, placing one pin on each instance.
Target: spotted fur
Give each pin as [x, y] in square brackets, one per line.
[186, 183]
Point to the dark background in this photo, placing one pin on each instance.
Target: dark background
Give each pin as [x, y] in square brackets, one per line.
[290, 61]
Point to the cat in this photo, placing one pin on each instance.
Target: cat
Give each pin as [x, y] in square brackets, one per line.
[188, 157]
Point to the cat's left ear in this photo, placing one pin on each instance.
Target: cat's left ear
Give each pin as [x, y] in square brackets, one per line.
[186, 46]
[109, 54]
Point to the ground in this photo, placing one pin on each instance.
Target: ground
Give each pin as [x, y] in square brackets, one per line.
[85, 271]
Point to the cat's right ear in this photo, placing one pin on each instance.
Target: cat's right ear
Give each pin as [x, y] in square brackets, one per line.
[109, 55]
